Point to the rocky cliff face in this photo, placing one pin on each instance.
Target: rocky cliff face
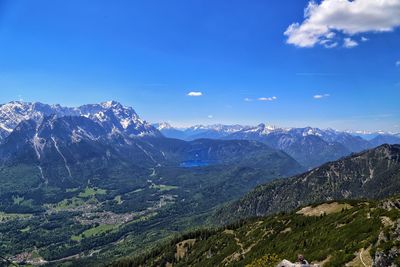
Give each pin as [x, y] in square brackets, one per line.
[388, 239]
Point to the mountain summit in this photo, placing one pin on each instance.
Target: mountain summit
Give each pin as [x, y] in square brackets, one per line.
[111, 115]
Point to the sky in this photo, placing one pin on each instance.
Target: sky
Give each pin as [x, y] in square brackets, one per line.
[329, 64]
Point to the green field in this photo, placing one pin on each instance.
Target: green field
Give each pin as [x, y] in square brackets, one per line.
[69, 190]
[68, 204]
[92, 191]
[13, 216]
[118, 199]
[163, 187]
[98, 230]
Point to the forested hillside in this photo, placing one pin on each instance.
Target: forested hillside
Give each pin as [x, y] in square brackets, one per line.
[332, 233]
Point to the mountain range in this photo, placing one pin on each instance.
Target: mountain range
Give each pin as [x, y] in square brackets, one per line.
[311, 147]
[95, 183]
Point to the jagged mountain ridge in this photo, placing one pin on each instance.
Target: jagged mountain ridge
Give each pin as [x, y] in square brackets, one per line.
[111, 115]
[372, 174]
[68, 151]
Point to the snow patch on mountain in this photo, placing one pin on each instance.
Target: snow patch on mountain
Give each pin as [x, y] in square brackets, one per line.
[38, 145]
[62, 156]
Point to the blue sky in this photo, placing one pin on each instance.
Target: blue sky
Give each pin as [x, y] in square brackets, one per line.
[151, 54]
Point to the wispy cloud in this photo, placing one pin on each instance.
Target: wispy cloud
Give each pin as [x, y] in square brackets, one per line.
[194, 93]
[267, 98]
[320, 96]
[329, 43]
[364, 39]
[248, 99]
[326, 22]
[210, 116]
[349, 43]
[397, 63]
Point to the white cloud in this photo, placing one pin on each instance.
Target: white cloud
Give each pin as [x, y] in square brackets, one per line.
[364, 39]
[349, 43]
[326, 22]
[397, 63]
[267, 98]
[320, 96]
[248, 99]
[210, 116]
[195, 94]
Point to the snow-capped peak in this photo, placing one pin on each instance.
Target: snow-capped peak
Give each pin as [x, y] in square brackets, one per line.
[111, 115]
[219, 127]
[110, 104]
[262, 129]
[163, 126]
[311, 131]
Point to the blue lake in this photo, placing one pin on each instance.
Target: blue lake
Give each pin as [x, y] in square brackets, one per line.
[194, 163]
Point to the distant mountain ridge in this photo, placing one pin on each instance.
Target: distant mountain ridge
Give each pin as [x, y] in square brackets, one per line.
[214, 131]
[236, 130]
[309, 146]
